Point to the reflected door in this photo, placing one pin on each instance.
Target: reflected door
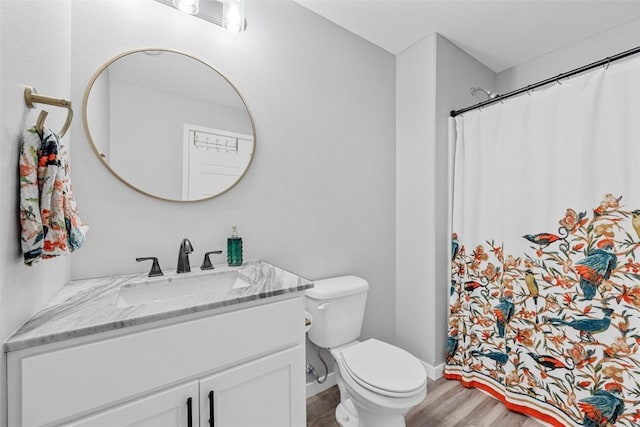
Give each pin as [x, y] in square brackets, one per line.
[213, 161]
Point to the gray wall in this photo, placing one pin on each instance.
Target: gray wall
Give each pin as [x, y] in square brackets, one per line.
[415, 191]
[31, 54]
[607, 43]
[433, 77]
[318, 198]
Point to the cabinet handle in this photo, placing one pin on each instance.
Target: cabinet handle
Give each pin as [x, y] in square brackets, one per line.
[189, 413]
[211, 421]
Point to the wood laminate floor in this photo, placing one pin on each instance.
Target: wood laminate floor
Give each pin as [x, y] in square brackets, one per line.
[448, 404]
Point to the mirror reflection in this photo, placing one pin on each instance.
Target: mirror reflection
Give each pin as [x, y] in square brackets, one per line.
[169, 125]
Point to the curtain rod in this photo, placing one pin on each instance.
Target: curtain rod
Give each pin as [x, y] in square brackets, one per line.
[531, 87]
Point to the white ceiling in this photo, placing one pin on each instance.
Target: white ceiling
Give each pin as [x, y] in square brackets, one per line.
[500, 34]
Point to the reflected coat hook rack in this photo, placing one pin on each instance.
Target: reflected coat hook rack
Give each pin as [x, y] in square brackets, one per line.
[32, 98]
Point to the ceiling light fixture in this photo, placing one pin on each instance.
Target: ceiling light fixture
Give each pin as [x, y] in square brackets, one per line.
[233, 16]
[229, 14]
[191, 7]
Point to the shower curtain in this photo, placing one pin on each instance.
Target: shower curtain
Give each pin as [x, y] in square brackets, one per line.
[544, 299]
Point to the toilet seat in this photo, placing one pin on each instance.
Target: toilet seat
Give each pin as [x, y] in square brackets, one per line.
[383, 369]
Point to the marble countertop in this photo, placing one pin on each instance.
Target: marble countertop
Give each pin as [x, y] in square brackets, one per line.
[90, 306]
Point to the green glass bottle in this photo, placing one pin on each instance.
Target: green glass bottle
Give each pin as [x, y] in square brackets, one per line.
[234, 248]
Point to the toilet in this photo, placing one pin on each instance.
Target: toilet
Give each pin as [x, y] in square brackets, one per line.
[378, 382]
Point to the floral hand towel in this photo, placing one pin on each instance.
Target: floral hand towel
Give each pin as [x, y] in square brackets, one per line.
[48, 211]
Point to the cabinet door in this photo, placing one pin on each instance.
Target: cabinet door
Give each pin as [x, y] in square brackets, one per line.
[169, 408]
[268, 392]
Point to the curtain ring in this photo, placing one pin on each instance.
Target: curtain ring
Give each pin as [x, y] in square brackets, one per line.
[608, 63]
[558, 80]
[528, 90]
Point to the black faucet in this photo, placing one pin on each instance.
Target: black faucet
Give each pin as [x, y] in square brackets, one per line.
[155, 268]
[183, 256]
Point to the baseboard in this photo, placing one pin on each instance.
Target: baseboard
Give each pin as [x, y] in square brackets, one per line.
[434, 372]
[314, 388]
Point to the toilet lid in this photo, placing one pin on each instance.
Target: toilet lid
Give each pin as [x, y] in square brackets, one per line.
[384, 368]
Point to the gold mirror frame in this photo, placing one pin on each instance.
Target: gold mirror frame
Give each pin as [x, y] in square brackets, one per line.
[100, 156]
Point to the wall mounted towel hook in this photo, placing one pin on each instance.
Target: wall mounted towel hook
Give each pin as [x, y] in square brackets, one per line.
[40, 122]
[32, 97]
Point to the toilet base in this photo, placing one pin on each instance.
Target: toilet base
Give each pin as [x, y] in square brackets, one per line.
[348, 414]
[365, 409]
[344, 417]
[371, 419]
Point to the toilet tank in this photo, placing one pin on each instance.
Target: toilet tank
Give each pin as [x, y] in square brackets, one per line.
[337, 307]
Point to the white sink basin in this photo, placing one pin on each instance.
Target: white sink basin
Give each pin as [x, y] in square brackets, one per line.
[206, 285]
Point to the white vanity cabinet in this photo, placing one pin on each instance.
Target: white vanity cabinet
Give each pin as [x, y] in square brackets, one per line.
[249, 358]
[255, 394]
[168, 408]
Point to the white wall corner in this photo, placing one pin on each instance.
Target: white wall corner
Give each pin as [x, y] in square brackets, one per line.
[415, 214]
[434, 372]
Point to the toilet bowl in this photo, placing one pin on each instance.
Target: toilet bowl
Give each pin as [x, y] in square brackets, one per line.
[378, 382]
[383, 382]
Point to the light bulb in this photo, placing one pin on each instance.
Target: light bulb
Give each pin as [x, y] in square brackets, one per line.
[233, 16]
[191, 7]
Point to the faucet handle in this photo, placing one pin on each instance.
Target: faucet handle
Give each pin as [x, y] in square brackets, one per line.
[206, 262]
[155, 268]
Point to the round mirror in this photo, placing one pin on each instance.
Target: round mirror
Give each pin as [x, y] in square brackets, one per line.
[168, 125]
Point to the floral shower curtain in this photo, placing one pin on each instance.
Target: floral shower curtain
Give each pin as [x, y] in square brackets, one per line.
[545, 255]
